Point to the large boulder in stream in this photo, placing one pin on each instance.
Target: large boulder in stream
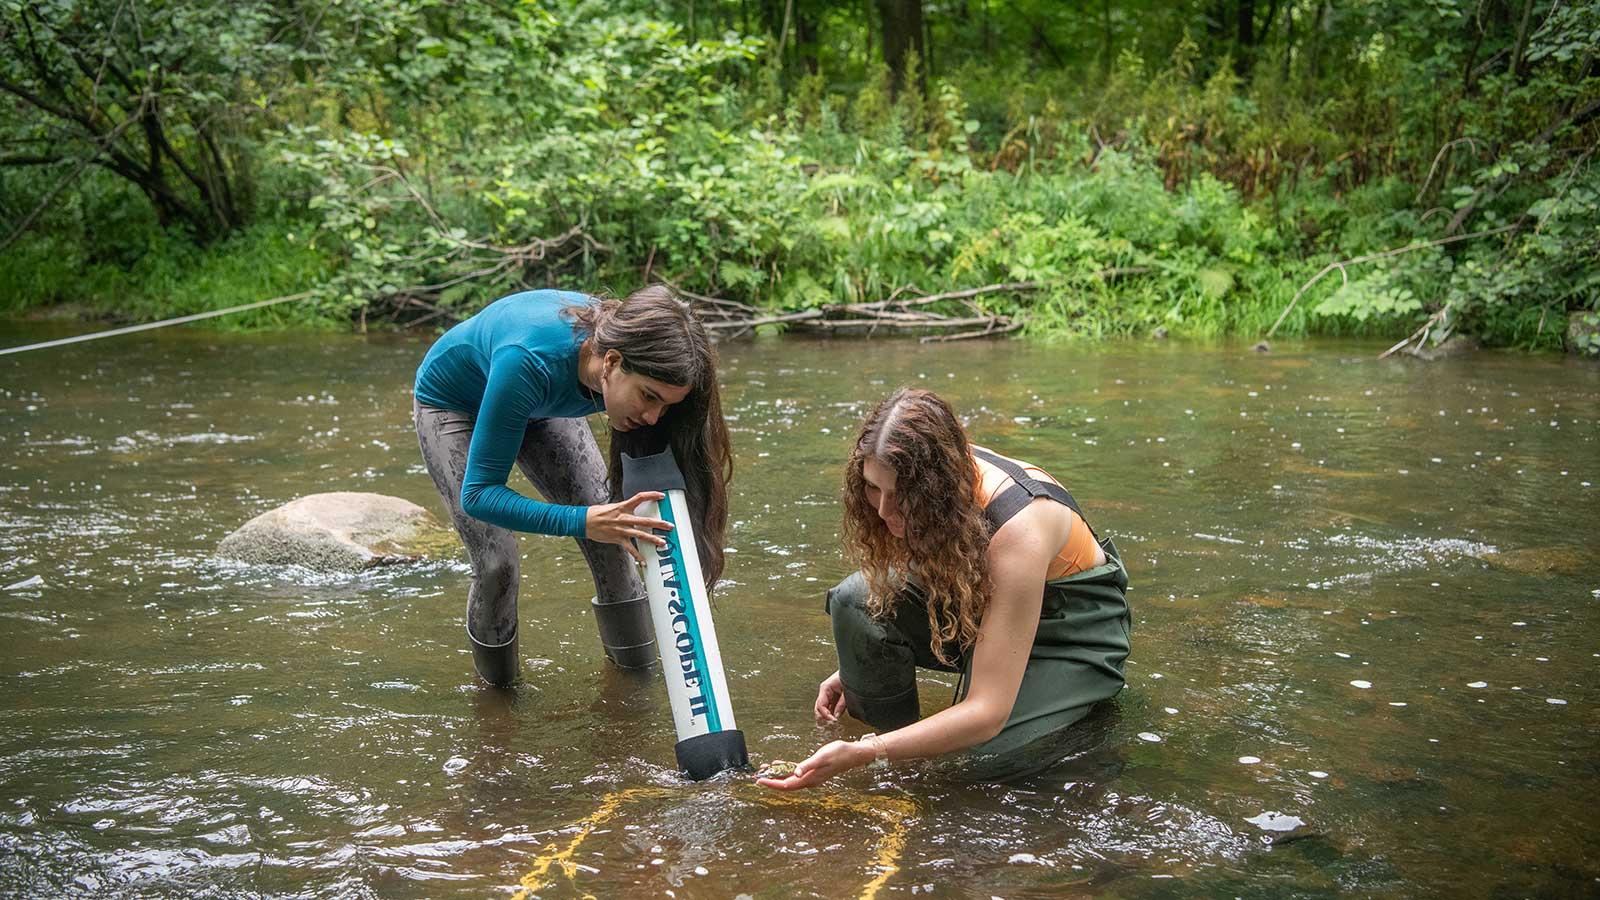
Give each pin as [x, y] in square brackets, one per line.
[343, 531]
[1558, 560]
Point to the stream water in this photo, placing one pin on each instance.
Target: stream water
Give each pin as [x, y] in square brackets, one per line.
[1366, 641]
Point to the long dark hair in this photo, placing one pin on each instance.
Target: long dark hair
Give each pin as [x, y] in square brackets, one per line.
[659, 337]
[916, 434]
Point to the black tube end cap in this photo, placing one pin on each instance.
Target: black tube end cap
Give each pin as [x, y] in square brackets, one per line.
[656, 472]
[704, 755]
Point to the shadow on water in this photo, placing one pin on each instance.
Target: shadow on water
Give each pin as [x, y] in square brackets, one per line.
[1364, 661]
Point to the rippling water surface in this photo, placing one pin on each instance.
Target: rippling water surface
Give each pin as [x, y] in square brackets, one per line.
[1365, 643]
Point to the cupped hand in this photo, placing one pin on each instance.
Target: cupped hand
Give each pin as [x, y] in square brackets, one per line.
[615, 523]
[830, 700]
[834, 758]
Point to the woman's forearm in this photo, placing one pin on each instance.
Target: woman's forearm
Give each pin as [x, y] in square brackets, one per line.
[1018, 561]
[498, 504]
[963, 726]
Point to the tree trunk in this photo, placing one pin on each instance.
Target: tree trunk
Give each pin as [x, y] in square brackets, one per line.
[1522, 38]
[805, 37]
[1105, 32]
[902, 34]
[783, 32]
[1217, 21]
[772, 16]
[866, 17]
[1245, 37]
[1319, 33]
[927, 47]
[1288, 42]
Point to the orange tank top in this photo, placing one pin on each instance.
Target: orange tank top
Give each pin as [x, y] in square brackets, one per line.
[1080, 551]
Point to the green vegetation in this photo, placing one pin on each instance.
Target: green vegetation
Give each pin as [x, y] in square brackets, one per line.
[1184, 166]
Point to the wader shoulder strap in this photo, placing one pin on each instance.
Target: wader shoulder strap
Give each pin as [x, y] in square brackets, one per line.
[1016, 497]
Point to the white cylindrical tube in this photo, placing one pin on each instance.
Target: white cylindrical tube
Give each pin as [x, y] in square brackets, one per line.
[691, 660]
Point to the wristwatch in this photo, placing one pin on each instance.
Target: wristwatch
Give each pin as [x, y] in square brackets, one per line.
[880, 751]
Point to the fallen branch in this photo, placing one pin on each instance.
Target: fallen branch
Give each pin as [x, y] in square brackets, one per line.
[845, 317]
[1015, 287]
[1012, 287]
[720, 305]
[907, 287]
[896, 313]
[1420, 332]
[1370, 257]
[969, 335]
[824, 324]
[765, 320]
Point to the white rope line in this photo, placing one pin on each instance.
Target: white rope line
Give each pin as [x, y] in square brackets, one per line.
[150, 325]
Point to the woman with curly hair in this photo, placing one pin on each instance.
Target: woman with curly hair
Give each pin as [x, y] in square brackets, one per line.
[513, 385]
[972, 563]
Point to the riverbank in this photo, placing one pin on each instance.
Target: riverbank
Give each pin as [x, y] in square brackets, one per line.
[1187, 183]
[907, 313]
[1065, 252]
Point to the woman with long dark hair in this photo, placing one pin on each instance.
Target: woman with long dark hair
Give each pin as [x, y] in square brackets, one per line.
[972, 563]
[513, 385]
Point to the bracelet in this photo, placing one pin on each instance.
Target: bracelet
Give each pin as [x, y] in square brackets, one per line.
[880, 751]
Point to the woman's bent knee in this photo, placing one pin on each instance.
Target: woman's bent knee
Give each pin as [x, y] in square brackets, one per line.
[848, 598]
[496, 576]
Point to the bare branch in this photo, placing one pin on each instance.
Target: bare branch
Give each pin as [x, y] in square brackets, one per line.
[766, 320]
[50, 196]
[1420, 332]
[718, 302]
[991, 331]
[910, 323]
[1438, 156]
[1014, 287]
[17, 161]
[1340, 264]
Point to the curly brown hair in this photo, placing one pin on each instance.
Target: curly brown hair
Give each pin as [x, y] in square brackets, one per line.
[916, 434]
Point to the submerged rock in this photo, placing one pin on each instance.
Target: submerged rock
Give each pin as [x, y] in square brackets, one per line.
[1544, 560]
[343, 531]
[1455, 345]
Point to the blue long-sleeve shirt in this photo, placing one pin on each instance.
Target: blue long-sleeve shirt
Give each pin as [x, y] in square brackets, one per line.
[514, 361]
